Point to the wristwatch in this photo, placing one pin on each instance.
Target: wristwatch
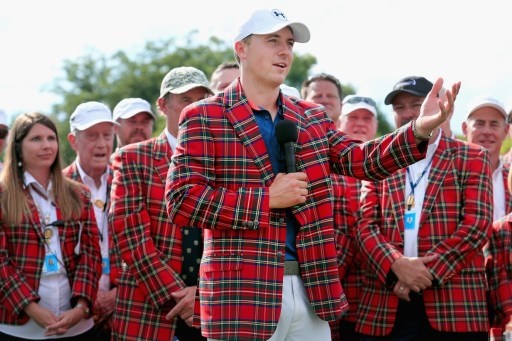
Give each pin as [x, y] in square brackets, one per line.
[84, 308]
[418, 136]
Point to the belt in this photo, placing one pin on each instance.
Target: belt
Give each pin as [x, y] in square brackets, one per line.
[291, 267]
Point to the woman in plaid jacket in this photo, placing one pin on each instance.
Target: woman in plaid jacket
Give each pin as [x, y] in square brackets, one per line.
[49, 256]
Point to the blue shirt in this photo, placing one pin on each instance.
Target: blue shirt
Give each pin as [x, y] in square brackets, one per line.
[278, 160]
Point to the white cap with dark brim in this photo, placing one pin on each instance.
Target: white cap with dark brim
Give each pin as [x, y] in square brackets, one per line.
[270, 21]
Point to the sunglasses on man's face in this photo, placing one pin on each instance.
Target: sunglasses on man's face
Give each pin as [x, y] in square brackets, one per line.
[359, 99]
[3, 133]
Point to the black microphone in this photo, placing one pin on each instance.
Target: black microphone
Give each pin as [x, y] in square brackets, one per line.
[286, 134]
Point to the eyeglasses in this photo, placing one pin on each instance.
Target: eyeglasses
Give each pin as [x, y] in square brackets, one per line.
[3, 133]
[359, 99]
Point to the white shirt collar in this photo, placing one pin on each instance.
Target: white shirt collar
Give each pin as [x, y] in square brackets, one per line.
[86, 178]
[171, 139]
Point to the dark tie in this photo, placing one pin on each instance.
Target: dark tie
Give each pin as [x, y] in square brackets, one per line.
[192, 250]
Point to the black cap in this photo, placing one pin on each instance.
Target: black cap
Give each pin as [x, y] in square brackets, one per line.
[417, 86]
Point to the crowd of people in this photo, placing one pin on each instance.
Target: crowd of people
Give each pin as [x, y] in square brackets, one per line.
[260, 212]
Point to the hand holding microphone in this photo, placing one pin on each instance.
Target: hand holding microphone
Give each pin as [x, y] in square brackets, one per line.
[288, 189]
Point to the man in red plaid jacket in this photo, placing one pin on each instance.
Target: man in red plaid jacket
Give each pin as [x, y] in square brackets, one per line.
[269, 267]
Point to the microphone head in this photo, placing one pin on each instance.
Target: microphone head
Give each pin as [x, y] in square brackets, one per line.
[286, 131]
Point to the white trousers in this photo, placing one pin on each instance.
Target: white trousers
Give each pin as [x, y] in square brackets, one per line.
[298, 322]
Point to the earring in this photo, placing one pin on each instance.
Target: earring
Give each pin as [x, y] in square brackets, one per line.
[20, 164]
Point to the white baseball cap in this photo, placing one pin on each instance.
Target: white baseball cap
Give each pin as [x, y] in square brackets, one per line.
[486, 101]
[270, 21]
[88, 114]
[3, 118]
[354, 102]
[130, 107]
[289, 90]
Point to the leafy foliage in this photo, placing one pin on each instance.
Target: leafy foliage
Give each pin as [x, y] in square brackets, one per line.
[109, 79]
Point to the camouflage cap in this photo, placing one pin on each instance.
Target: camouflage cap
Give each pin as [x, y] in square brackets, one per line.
[182, 79]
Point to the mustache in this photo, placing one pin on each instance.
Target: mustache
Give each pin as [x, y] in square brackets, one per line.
[139, 132]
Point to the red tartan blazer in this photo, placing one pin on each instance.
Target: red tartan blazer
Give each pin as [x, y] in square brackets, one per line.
[22, 253]
[499, 274]
[352, 269]
[219, 181]
[72, 172]
[508, 196]
[345, 203]
[147, 241]
[455, 224]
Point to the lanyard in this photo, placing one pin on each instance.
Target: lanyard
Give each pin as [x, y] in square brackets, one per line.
[410, 198]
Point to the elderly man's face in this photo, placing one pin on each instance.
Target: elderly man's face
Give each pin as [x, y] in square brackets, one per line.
[93, 147]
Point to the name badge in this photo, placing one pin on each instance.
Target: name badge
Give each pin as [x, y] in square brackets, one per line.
[410, 220]
[105, 266]
[51, 265]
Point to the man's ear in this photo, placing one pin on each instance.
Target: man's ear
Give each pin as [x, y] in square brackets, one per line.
[240, 48]
[465, 128]
[72, 141]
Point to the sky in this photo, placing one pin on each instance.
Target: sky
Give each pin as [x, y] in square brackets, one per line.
[369, 44]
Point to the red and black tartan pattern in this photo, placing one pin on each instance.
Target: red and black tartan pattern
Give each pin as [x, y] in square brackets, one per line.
[22, 252]
[345, 204]
[219, 181]
[115, 260]
[499, 274]
[455, 224]
[148, 243]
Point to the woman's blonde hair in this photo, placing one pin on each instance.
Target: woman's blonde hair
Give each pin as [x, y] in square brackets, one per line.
[13, 201]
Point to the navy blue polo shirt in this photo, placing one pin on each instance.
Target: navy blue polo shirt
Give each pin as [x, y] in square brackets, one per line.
[278, 160]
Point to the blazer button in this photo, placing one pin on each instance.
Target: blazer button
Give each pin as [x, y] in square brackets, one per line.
[250, 224]
[281, 220]
[279, 254]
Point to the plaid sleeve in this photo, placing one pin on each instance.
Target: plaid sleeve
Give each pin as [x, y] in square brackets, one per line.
[499, 271]
[132, 224]
[474, 228]
[15, 293]
[195, 194]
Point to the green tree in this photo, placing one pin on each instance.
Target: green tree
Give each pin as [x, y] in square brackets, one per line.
[108, 79]
[96, 77]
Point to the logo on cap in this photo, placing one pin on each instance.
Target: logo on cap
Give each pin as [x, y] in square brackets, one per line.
[411, 82]
[279, 15]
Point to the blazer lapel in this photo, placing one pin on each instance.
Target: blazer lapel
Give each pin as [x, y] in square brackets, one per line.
[242, 119]
[442, 161]
[162, 156]
[33, 215]
[396, 187]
